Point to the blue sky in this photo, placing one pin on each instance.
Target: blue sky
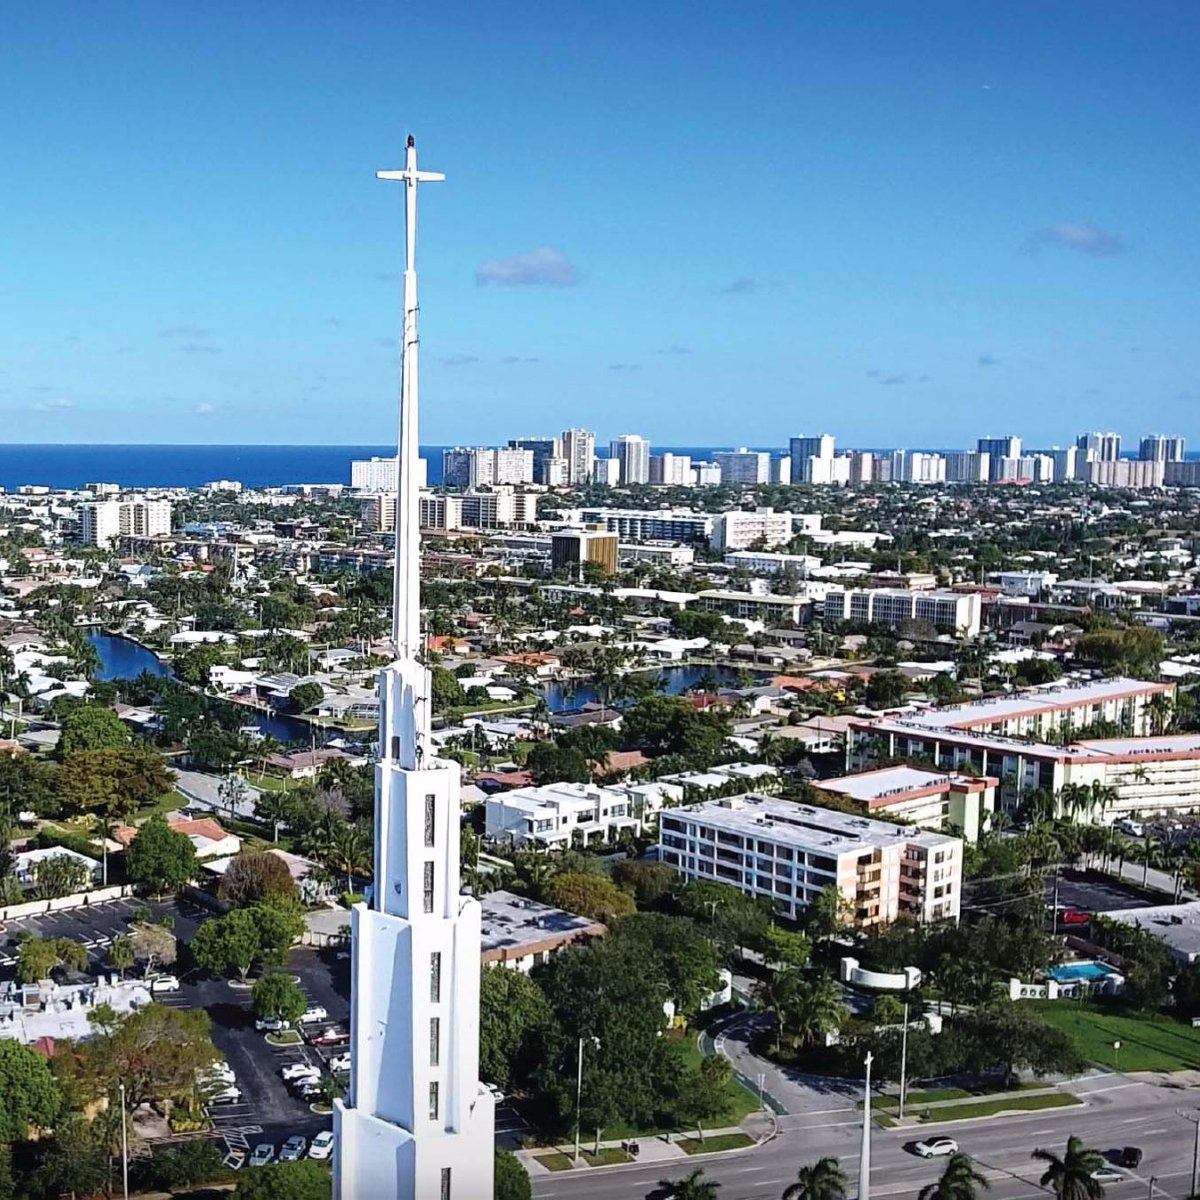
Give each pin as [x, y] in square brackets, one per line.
[904, 223]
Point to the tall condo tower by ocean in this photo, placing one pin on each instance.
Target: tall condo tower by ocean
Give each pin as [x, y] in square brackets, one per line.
[417, 1124]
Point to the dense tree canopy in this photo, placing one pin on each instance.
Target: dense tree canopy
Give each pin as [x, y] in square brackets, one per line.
[91, 727]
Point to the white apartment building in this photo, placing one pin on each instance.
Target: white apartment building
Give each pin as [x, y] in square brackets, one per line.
[1105, 446]
[552, 815]
[744, 466]
[920, 467]
[222, 485]
[768, 562]
[440, 511]
[606, 471]
[862, 466]
[968, 466]
[106, 521]
[787, 853]
[647, 525]
[579, 449]
[736, 530]
[633, 458]
[706, 474]
[378, 514]
[671, 470]
[1126, 473]
[374, 474]
[834, 471]
[1157, 447]
[1069, 463]
[482, 466]
[957, 612]
[801, 449]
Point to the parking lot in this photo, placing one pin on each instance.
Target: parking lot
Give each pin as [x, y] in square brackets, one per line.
[266, 1111]
[1090, 892]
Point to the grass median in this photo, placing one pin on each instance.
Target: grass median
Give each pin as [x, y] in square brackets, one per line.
[1002, 1104]
[1149, 1041]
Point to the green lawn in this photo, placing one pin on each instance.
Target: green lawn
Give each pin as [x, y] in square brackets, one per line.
[721, 1141]
[989, 1108]
[554, 1162]
[608, 1156]
[1149, 1042]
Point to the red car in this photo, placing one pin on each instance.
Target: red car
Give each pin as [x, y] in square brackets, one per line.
[1074, 916]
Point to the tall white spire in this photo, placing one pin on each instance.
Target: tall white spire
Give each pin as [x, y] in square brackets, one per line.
[416, 1124]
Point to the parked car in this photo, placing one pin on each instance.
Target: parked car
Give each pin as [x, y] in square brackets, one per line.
[164, 983]
[293, 1148]
[310, 1089]
[1074, 916]
[1131, 1156]
[1131, 828]
[228, 1095]
[1109, 1175]
[936, 1147]
[332, 1036]
[300, 1070]
[271, 1025]
[340, 1062]
[218, 1071]
[316, 1013]
[322, 1145]
[264, 1153]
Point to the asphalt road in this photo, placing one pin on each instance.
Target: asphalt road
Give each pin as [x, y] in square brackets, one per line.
[1118, 1112]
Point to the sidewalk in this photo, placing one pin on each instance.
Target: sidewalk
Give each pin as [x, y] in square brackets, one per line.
[654, 1148]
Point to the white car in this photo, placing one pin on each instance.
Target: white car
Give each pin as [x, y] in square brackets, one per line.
[1109, 1175]
[936, 1147]
[316, 1013]
[164, 983]
[340, 1062]
[322, 1145]
[1131, 828]
[300, 1070]
[271, 1025]
[264, 1152]
[229, 1095]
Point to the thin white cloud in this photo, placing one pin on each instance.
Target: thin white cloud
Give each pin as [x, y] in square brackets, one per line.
[1082, 238]
[542, 267]
[204, 409]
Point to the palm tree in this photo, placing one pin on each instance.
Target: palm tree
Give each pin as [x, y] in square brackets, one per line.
[349, 851]
[1070, 1177]
[814, 1008]
[694, 1187]
[959, 1181]
[823, 1180]
[120, 953]
[271, 807]
[264, 747]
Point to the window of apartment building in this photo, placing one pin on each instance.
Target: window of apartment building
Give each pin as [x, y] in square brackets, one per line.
[435, 978]
[434, 1102]
[435, 1041]
[445, 1184]
[430, 813]
[428, 887]
[395, 747]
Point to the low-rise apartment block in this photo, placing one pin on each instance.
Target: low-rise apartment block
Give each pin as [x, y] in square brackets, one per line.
[956, 612]
[787, 853]
[552, 815]
[520, 934]
[738, 530]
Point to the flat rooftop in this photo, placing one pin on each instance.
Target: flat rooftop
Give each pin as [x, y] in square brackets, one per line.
[1030, 703]
[818, 829]
[896, 782]
[1178, 925]
[512, 922]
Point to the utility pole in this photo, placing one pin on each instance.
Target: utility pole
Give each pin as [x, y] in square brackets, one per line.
[903, 1061]
[579, 1093]
[864, 1161]
[1194, 1118]
[124, 1148]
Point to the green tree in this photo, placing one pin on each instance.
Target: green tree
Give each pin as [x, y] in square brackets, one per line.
[306, 695]
[650, 882]
[822, 1180]
[254, 877]
[303, 1180]
[153, 946]
[278, 925]
[589, 895]
[276, 995]
[511, 1178]
[159, 858]
[694, 1187]
[446, 690]
[90, 727]
[1070, 1177]
[38, 958]
[686, 958]
[120, 953]
[959, 1181]
[29, 1096]
[513, 1015]
[813, 1008]
[232, 942]
[551, 763]
[60, 875]
[826, 916]
[886, 689]
[784, 948]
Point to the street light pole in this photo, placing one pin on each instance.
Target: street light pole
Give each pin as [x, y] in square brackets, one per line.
[1195, 1120]
[579, 1092]
[903, 1062]
[864, 1161]
[124, 1149]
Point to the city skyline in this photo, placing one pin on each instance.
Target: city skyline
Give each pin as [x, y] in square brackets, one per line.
[934, 220]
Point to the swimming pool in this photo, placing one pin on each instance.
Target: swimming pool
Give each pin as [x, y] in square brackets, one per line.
[1073, 972]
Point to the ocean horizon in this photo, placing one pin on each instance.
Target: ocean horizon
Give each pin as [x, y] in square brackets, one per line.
[70, 466]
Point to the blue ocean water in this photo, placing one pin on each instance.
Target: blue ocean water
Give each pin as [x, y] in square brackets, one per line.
[71, 466]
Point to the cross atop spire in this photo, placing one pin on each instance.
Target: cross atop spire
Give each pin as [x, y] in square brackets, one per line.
[406, 615]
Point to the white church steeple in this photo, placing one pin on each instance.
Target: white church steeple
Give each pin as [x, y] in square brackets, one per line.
[416, 1124]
